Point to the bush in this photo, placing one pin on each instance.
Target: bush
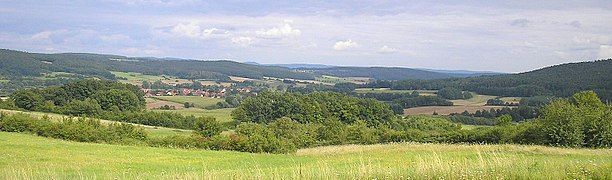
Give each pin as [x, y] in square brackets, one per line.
[302, 135]
[87, 107]
[79, 129]
[207, 126]
[360, 133]
[562, 125]
[257, 138]
[332, 132]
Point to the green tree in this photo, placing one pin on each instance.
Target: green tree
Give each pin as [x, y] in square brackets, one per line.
[561, 124]
[125, 100]
[597, 124]
[88, 107]
[207, 126]
[27, 99]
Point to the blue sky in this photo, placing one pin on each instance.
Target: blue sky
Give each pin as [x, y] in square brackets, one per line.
[473, 35]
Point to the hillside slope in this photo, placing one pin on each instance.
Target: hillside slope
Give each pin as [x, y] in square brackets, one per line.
[14, 64]
[30, 157]
[380, 73]
[560, 80]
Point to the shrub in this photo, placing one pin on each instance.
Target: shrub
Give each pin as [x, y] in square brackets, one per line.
[360, 133]
[87, 107]
[258, 138]
[207, 126]
[561, 124]
[302, 135]
[79, 129]
[332, 132]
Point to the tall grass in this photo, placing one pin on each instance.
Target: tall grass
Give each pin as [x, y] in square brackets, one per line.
[30, 157]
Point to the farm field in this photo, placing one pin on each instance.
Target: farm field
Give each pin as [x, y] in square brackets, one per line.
[388, 90]
[153, 103]
[154, 131]
[199, 102]
[137, 78]
[477, 102]
[222, 115]
[31, 157]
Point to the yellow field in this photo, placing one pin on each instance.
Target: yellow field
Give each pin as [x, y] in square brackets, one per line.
[477, 102]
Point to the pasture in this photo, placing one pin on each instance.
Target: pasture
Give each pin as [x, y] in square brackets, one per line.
[336, 80]
[137, 78]
[388, 90]
[199, 102]
[154, 103]
[222, 115]
[30, 157]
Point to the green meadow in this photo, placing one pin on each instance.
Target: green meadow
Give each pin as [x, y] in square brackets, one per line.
[388, 90]
[222, 115]
[31, 157]
[199, 102]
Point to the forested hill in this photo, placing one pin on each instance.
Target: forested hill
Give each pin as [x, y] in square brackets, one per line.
[380, 73]
[16, 64]
[559, 80]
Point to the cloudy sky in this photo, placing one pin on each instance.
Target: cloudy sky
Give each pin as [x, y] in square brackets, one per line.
[473, 35]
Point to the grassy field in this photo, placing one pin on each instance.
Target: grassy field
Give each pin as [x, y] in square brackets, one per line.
[154, 103]
[335, 80]
[137, 77]
[31, 157]
[154, 131]
[476, 100]
[387, 90]
[199, 102]
[222, 115]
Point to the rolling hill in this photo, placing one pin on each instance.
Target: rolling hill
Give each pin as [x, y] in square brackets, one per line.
[14, 64]
[560, 80]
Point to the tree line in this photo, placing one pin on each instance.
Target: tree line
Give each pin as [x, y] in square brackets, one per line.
[299, 121]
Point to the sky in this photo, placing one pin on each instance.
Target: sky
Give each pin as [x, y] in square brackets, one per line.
[501, 36]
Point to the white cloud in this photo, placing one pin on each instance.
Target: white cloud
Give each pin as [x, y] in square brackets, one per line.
[149, 50]
[45, 35]
[286, 30]
[242, 41]
[114, 38]
[344, 45]
[193, 30]
[605, 51]
[386, 49]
